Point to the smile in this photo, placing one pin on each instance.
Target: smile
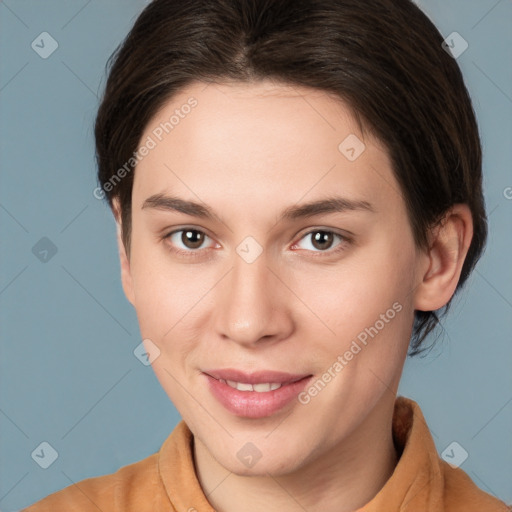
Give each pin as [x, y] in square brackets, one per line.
[260, 398]
[259, 388]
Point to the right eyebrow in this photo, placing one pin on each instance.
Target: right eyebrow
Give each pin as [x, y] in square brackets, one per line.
[172, 203]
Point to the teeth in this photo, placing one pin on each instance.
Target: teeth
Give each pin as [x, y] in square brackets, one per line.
[260, 388]
[241, 386]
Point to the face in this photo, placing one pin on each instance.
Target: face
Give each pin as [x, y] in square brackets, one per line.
[250, 280]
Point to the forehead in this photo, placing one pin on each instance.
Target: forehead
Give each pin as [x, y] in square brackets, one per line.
[263, 140]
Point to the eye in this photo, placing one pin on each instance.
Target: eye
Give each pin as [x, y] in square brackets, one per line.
[322, 240]
[186, 241]
[189, 241]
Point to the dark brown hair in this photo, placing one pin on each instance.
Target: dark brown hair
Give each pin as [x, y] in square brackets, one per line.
[384, 58]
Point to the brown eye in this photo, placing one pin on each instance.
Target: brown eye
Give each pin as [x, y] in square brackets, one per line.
[322, 239]
[187, 241]
[192, 238]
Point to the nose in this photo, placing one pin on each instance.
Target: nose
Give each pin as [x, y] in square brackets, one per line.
[254, 304]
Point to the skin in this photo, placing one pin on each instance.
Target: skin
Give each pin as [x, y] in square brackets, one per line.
[249, 151]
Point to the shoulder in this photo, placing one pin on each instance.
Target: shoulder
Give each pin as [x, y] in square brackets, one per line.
[461, 494]
[425, 476]
[134, 483]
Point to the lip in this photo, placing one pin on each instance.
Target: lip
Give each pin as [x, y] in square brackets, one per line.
[254, 377]
[252, 404]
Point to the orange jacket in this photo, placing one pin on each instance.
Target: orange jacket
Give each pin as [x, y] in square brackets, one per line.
[166, 481]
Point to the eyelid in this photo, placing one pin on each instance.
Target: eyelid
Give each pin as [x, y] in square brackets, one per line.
[342, 233]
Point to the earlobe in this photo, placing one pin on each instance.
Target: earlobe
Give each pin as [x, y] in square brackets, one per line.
[126, 276]
[449, 244]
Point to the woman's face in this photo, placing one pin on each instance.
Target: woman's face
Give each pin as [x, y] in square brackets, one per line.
[323, 295]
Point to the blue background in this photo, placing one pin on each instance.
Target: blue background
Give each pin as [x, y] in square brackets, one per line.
[68, 374]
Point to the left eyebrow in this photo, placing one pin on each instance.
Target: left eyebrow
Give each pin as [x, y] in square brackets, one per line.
[333, 204]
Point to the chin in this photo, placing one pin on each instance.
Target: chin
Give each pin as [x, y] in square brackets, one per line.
[275, 460]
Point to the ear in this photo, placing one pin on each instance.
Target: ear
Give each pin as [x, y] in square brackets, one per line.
[126, 276]
[449, 244]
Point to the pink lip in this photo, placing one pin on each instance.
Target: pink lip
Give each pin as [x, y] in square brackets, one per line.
[252, 404]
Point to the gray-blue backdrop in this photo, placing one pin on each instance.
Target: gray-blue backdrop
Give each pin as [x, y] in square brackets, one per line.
[68, 373]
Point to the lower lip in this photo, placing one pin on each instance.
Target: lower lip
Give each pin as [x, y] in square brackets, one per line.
[252, 404]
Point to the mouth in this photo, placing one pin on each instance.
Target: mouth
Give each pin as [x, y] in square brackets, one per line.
[255, 395]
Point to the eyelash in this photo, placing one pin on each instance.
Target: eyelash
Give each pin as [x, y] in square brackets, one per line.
[197, 252]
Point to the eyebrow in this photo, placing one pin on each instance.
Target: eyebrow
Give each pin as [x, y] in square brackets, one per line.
[333, 204]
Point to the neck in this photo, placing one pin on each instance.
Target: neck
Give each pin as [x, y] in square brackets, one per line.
[342, 479]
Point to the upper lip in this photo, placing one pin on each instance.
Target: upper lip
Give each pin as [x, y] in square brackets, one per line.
[259, 377]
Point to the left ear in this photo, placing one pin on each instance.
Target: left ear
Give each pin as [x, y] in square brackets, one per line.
[449, 244]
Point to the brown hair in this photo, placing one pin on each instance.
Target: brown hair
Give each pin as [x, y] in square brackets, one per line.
[383, 57]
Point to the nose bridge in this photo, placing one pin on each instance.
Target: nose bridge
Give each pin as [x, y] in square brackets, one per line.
[251, 306]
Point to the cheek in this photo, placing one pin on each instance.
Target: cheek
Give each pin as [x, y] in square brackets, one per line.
[351, 297]
[164, 303]
[160, 289]
[171, 298]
